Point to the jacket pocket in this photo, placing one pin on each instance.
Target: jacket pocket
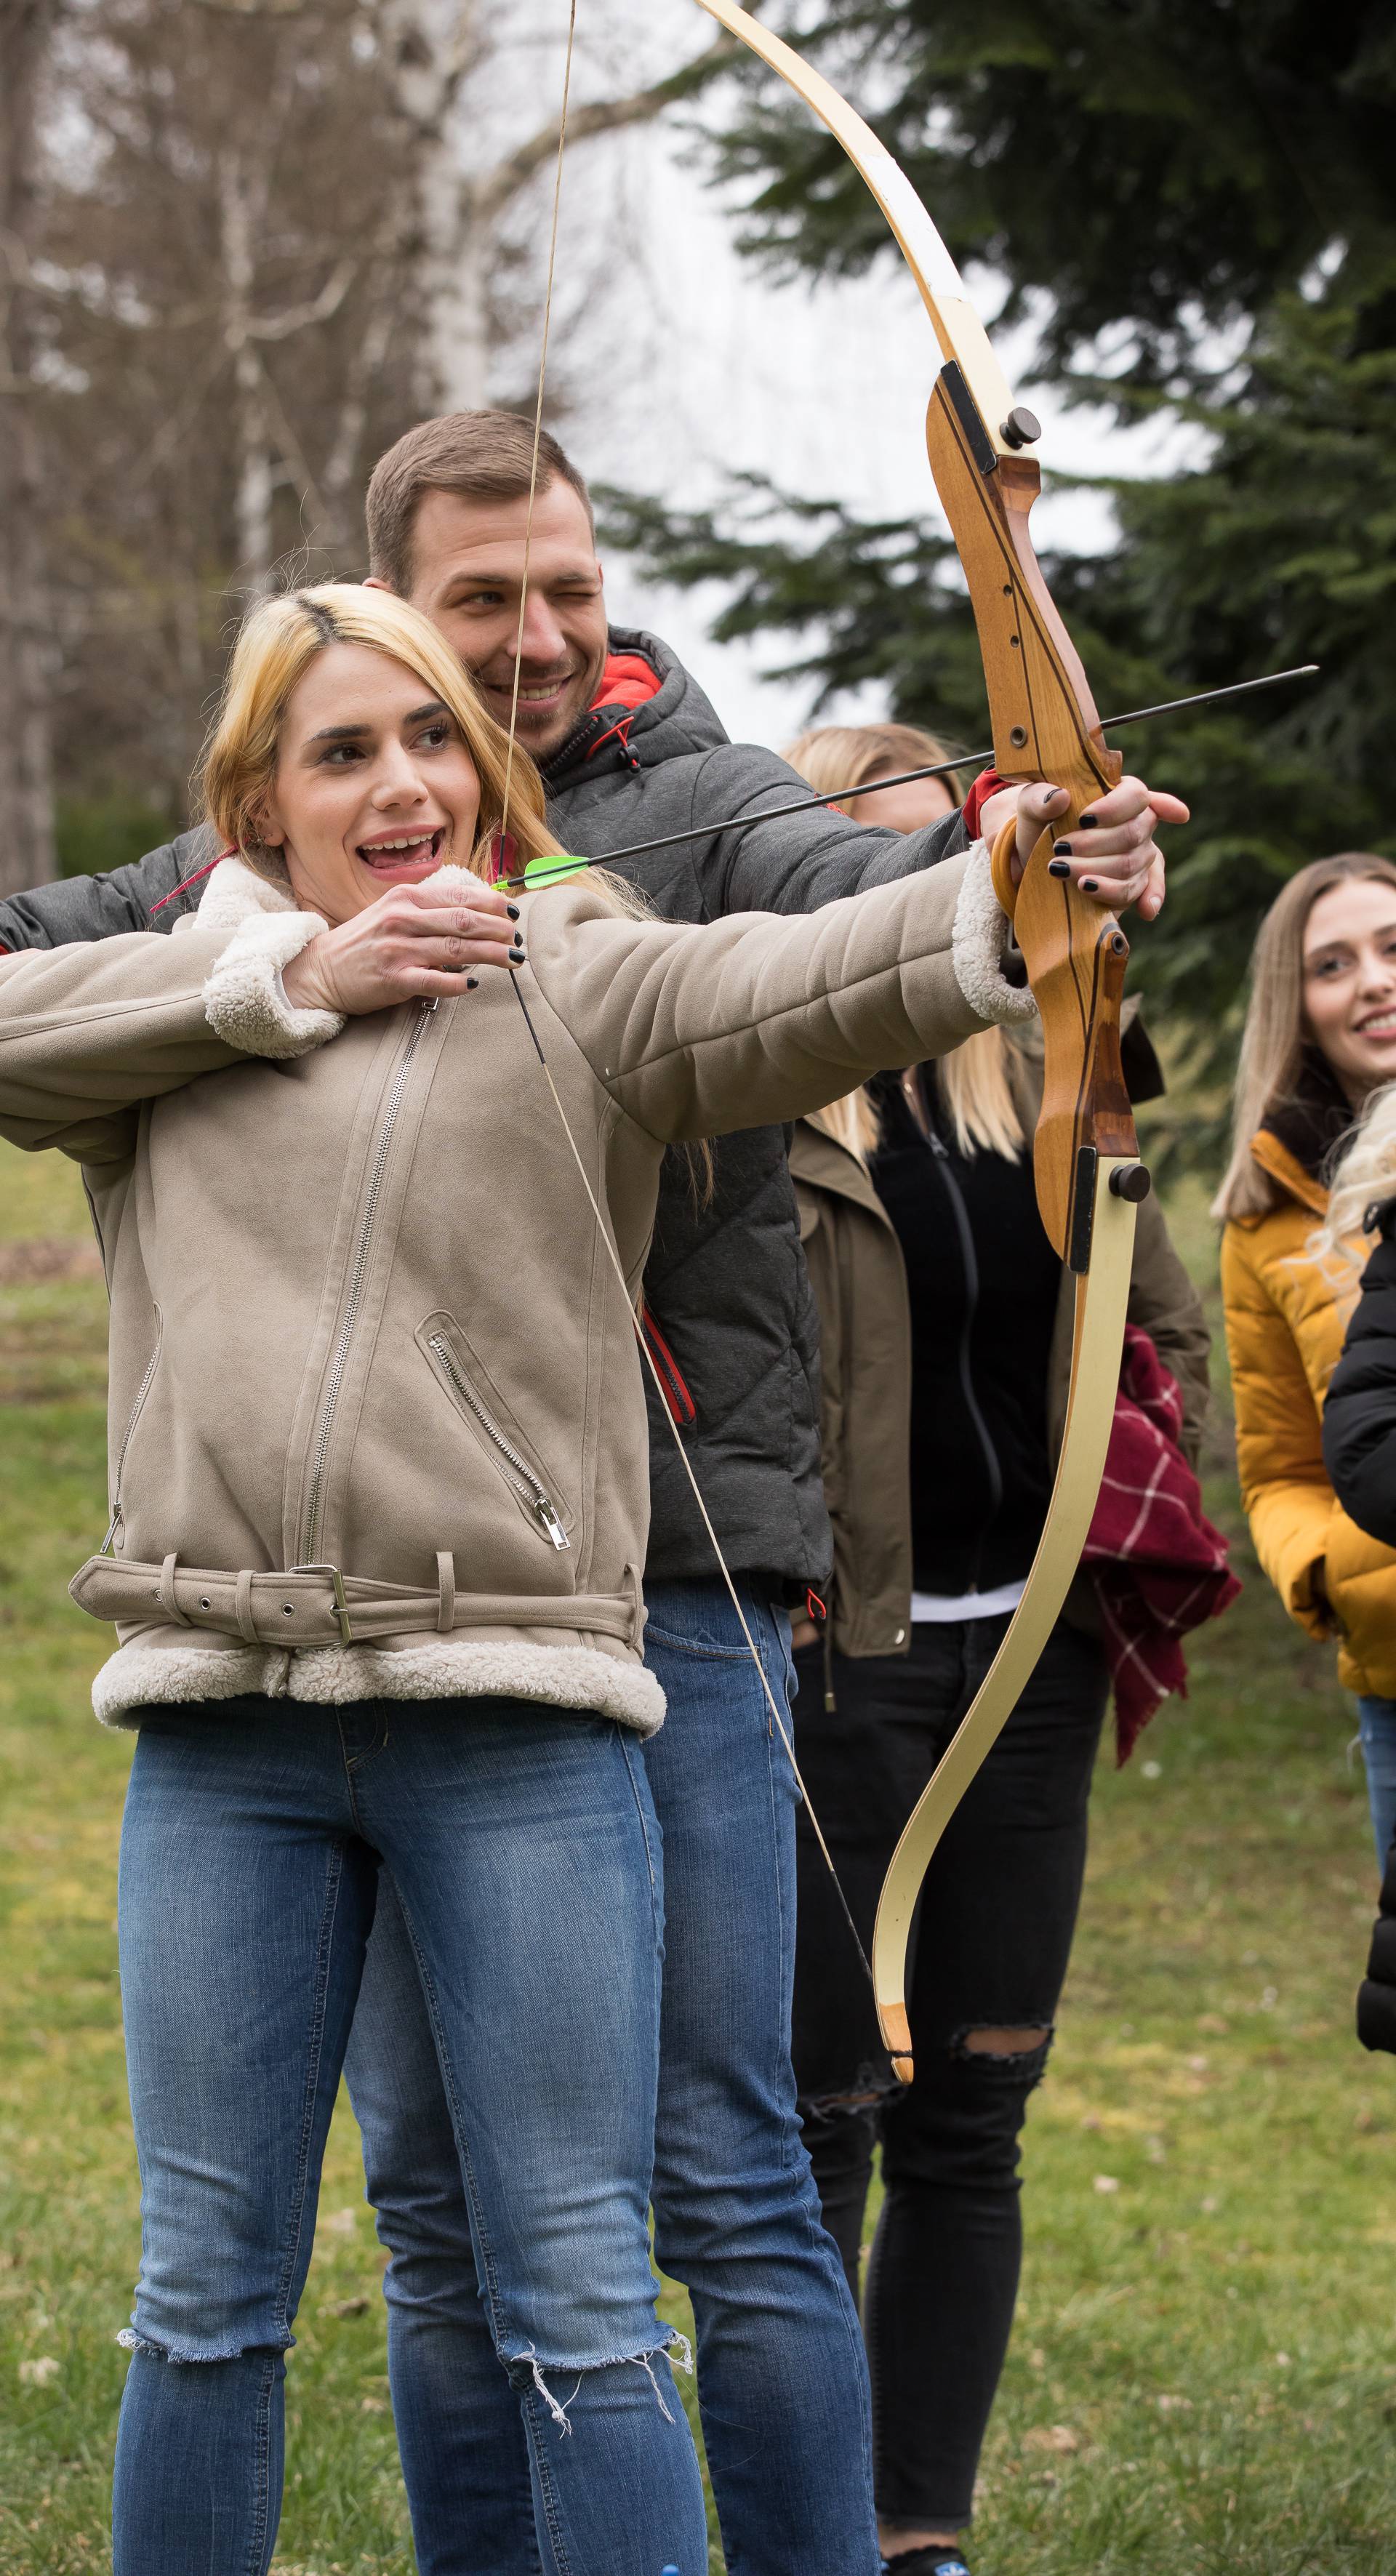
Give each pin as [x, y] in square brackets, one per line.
[132, 1418]
[443, 1344]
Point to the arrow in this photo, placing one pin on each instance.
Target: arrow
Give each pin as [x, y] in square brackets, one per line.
[545, 872]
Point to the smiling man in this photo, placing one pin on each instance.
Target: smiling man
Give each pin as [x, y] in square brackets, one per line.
[463, 566]
[631, 750]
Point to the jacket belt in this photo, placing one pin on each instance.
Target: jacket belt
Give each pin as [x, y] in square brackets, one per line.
[316, 1605]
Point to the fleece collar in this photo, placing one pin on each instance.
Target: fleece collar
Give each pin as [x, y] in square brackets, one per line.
[233, 893]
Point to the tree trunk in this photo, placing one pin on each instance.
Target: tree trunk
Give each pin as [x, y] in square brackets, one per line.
[254, 470]
[28, 852]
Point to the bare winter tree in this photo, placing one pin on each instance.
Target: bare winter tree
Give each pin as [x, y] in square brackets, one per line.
[439, 54]
[247, 243]
[26, 642]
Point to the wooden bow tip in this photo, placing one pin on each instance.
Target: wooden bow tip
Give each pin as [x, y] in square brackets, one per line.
[896, 2036]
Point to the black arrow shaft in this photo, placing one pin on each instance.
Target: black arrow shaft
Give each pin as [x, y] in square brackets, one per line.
[902, 778]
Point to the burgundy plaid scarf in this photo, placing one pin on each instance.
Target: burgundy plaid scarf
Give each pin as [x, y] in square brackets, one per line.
[1158, 1566]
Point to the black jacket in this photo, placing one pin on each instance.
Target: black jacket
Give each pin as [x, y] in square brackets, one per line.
[1376, 1996]
[1359, 1417]
[726, 1282]
[984, 1286]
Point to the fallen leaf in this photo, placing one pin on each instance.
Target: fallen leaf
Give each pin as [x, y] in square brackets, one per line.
[1051, 2437]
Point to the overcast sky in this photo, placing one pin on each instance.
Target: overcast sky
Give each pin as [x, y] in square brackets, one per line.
[685, 360]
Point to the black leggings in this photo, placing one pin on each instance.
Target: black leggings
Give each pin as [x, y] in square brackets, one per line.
[993, 1940]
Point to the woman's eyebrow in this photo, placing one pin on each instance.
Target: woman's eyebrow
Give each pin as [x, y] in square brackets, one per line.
[356, 732]
[1336, 947]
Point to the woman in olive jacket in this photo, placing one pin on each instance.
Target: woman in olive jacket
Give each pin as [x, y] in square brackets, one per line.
[943, 1305]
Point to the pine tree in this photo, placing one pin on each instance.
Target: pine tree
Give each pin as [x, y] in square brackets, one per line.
[1213, 167]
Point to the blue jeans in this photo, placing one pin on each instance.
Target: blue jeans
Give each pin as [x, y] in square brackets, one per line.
[525, 1859]
[782, 2380]
[1376, 1720]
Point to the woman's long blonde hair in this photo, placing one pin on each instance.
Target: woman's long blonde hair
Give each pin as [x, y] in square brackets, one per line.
[973, 1079]
[1365, 1176]
[1276, 1035]
[852, 756]
[280, 638]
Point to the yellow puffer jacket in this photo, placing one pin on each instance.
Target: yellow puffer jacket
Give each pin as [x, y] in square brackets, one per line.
[1284, 1331]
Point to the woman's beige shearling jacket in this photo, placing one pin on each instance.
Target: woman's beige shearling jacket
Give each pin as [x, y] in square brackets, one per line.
[362, 1325]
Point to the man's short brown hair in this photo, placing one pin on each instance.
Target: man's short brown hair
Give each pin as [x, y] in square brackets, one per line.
[482, 455]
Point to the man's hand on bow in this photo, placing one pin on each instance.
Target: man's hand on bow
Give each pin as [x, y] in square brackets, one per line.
[1112, 853]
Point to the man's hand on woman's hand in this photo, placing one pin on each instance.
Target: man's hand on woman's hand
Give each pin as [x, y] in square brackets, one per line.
[413, 941]
[1112, 853]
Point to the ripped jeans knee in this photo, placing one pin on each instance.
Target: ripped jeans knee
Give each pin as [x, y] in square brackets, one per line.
[196, 2355]
[1017, 2050]
[603, 2380]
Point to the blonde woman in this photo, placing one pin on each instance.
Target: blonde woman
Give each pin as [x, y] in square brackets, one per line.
[1359, 1448]
[378, 1508]
[945, 1333]
[1320, 1038]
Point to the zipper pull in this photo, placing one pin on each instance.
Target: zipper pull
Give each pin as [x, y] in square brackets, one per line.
[113, 1526]
[543, 1511]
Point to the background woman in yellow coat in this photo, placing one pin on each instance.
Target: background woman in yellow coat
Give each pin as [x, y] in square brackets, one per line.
[1320, 1037]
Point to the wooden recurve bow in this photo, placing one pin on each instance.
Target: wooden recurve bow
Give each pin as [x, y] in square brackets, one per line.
[1085, 1158]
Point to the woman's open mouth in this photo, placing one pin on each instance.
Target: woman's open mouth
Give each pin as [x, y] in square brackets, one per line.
[405, 857]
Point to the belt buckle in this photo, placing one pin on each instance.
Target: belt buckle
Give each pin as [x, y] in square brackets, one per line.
[341, 1606]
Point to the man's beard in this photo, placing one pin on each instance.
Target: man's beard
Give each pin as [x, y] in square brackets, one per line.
[544, 733]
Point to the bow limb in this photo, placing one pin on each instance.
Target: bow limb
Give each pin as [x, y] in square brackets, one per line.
[1102, 1300]
[1085, 1165]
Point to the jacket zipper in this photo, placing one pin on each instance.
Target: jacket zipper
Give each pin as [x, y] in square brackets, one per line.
[516, 1470]
[971, 1267]
[356, 1282]
[132, 1419]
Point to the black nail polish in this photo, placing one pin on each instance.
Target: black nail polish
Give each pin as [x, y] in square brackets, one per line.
[1058, 868]
[472, 983]
[1061, 849]
[513, 911]
[1088, 885]
[1088, 823]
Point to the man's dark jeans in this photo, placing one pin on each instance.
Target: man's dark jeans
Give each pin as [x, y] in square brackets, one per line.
[994, 1937]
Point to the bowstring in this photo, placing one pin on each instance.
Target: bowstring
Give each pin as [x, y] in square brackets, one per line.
[538, 418]
[725, 1570]
[602, 1227]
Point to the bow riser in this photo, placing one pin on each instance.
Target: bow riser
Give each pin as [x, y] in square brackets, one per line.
[1043, 716]
[1076, 958]
[1045, 725]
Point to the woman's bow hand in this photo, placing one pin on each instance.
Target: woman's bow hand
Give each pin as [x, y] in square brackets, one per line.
[414, 941]
[1112, 853]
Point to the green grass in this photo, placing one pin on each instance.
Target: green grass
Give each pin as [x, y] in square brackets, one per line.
[1202, 2378]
